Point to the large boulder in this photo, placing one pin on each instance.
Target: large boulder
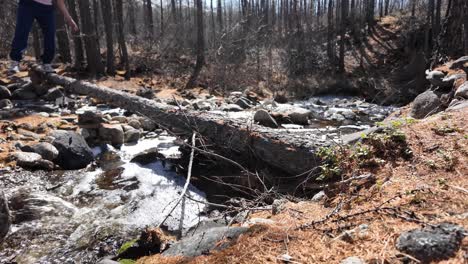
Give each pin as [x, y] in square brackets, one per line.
[244, 103]
[24, 93]
[203, 242]
[74, 152]
[32, 161]
[462, 91]
[432, 243]
[262, 117]
[5, 218]
[4, 93]
[425, 104]
[112, 134]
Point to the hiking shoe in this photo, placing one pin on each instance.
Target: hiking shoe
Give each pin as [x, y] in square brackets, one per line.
[14, 67]
[47, 68]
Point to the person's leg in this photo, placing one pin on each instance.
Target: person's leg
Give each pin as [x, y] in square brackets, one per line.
[45, 16]
[24, 20]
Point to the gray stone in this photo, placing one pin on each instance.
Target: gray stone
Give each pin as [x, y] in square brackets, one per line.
[120, 119]
[425, 104]
[203, 242]
[132, 135]
[90, 117]
[436, 79]
[4, 92]
[46, 150]
[5, 218]
[457, 104]
[112, 134]
[432, 243]
[244, 103]
[202, 106]
[108, 261]
[74, 152]
[145, 93]
[148, 156]
[134, 123]
[459, 62]
[40, 90]
[232, 108]
[319, 196]
[147, 124]
[6, 104]
[30, 160]
[462, 91]
[263, 118]
[28, 134]
[297, 115]
[24, 94]
[352, 260]
[53, 94]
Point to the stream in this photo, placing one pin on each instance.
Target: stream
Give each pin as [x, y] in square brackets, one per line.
[85, 215]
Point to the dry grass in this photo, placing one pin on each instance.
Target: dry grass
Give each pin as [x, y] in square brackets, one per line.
[431, 186]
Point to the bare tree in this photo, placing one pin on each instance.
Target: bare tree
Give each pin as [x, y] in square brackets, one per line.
[107, 16]
[200, 46]
[122, 43]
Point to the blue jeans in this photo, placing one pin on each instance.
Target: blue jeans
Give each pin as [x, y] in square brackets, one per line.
[28, 10]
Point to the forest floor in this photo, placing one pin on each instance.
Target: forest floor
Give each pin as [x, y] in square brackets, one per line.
[430, 188]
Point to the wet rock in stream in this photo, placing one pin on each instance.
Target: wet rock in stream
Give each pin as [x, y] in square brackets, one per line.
[74, 152]
[30, 160]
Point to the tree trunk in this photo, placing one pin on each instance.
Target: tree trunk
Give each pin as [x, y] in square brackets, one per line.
[132, 18]
[96, 22]
[62, 39]
[465, 27]
[107, 16]
[387, 4]
[219, 15]
[344, 22]
[93, 55]
[122, 43]
[77, 41]
[330, 42]
[200, 45]
[149, 18]
[161, 11]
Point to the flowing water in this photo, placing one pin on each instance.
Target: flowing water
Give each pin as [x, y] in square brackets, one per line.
[80, 216]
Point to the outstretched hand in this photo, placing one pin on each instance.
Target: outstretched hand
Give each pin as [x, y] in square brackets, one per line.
[74, 27]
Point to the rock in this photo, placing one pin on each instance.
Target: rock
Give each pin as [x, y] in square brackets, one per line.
[295, 114]
[40, 89]
[74, 152]
[89, 133]
[263, 118]
[203, 242]
[202, 106]
[436, 79]
[4, 92]
[235, 94]
[259, 221]
[132, 135]
[244, 103]
[145, 92]
[120, 119]
[147, 124]
[352, 260]
[5, 218]
[107, 261]
[462, 91]
[53, 94]
[319, 196]
[232, 108]
[134, 123]
[425, 104]
[281, 98]
[459, 63]
[28, 134]
[89, 117]
[30, 160]
[278, 206]
[112, 134]
[24, 94]
[431, 243]
[6, 104]
[148, 156]
[457, 104]
[46, 150]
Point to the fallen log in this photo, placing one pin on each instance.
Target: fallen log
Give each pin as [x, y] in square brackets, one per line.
[290, 153]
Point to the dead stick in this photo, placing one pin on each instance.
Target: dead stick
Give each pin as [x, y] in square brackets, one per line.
[187, 182]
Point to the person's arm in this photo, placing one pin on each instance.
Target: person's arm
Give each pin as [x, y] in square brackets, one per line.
[63, 9]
